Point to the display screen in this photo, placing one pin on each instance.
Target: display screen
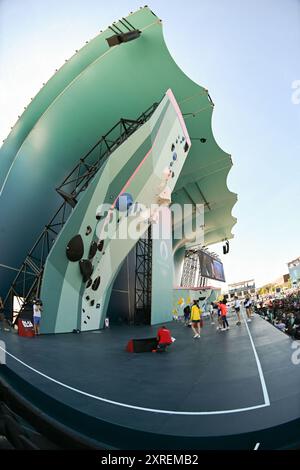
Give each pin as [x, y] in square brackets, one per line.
[210, 267]
[218, 270]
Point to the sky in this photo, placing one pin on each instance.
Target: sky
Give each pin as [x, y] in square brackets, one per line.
[246, 52]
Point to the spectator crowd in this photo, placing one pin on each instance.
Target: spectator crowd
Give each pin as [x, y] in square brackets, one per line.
[283, 312]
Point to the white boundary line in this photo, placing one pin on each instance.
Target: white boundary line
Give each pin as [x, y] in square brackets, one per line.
[261, 375]
[153, 410]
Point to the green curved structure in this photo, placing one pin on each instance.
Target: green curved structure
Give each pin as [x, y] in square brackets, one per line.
[80, 103]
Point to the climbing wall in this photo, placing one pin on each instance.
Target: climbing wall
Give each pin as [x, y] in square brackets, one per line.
[162, 269]
[87, 255]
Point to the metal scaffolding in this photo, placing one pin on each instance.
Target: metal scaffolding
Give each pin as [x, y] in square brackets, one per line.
[143, 279]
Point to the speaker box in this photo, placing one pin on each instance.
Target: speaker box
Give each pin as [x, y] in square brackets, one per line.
[86, 269]
[75, 248]
[141, 345]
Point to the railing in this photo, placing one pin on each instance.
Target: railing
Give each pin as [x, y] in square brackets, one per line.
[27, 282]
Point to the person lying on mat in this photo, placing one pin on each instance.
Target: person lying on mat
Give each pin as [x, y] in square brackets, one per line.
[164, 339]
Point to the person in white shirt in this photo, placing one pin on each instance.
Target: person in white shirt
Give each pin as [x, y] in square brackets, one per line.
[247, 305]
[237, 308]
[211, 312]
[37, 314]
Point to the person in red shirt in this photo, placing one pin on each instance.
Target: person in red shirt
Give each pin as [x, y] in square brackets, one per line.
[164, 339]
[222, 306]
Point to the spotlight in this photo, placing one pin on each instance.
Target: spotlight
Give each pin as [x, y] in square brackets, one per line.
[123, 37]
[226, 248]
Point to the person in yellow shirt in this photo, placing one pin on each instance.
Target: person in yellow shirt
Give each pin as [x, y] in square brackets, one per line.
[195, 319]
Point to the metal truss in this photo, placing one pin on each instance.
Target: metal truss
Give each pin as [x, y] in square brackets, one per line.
[143, 279]
[80, 177]
[190, 269]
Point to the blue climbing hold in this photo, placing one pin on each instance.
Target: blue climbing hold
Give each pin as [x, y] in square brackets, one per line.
[124, 202]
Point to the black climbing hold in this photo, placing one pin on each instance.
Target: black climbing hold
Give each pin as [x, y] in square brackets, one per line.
[85, 322]
[186, 147]
[87, 298]
[92, 302]
[93, 250]
[75, 248]
[88, 230]
[96, 283]
[83, 310]
[101, 245]
[202, 140]
[88, 317]
[173, 148]
[86, 269]
[89, 283]
[98, 306]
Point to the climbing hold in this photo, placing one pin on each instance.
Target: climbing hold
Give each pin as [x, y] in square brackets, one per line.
[93, 250]
[86, 269]
[101, 245]
[75, 248]
[96, 283]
